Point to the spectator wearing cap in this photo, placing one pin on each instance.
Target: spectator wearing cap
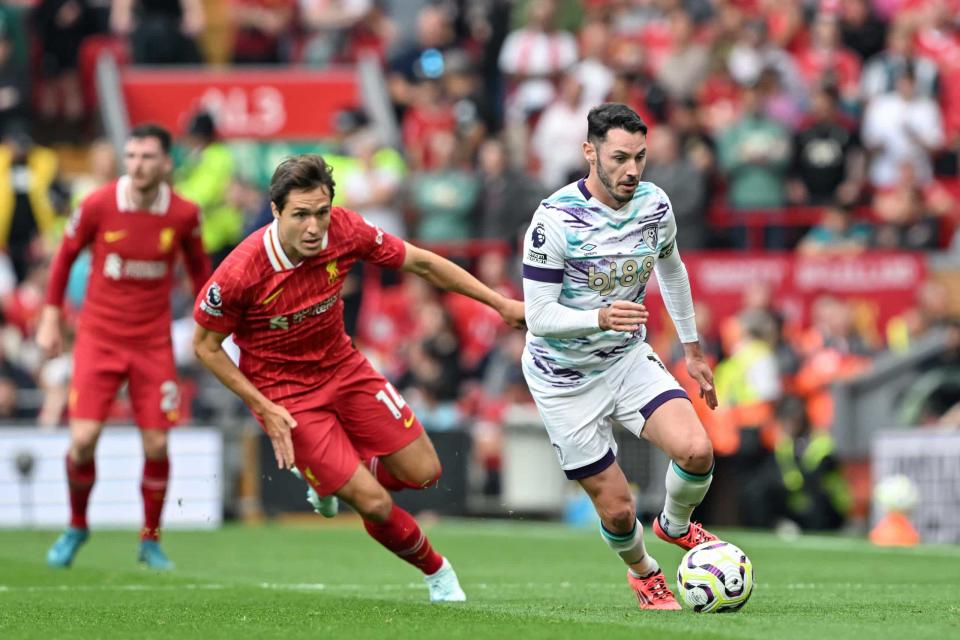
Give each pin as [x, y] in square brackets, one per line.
[204, 177]
[420, 59]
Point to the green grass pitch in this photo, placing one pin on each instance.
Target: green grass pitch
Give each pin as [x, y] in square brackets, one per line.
[523, 580]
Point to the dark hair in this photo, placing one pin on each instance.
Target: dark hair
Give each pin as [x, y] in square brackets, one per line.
[153, 131]
[202, 125]
[305, 172]
[612, 115]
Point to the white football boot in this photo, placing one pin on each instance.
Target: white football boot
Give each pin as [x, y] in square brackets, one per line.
[327, 506]
[444, 586]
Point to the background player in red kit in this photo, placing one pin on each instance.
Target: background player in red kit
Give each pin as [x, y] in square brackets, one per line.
[136, 226]
[326, 410]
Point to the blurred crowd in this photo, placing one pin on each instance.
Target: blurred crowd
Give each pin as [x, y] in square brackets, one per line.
[824, 127]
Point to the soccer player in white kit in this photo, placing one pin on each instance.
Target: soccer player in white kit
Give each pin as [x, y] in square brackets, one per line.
[588, 256]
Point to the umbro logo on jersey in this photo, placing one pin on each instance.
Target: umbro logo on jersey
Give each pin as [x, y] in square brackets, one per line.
[588, 247]
[113, 236]
[279, 322]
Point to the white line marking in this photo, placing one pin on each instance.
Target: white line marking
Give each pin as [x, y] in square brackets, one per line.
[416, 586]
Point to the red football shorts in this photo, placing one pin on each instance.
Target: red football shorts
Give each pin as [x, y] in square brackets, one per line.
[100, 368]
[356, 416]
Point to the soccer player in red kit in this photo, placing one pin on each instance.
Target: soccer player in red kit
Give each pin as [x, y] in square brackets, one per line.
[135, 226]
[326, 410]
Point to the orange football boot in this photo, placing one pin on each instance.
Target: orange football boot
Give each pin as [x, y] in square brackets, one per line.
[652, 592]
[696, 535]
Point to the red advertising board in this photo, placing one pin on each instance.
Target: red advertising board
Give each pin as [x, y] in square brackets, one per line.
[885, 283]
[282, 104]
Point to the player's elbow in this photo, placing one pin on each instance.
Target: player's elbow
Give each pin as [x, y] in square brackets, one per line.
[536, 328]
[202, 350]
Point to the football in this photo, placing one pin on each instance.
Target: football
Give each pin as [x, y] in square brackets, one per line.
[715, 577]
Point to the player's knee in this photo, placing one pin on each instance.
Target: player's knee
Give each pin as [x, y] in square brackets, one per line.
[619, 515]
[429, 474]
[698, 456]
[155, 444]
[376, 507]
[83, 445]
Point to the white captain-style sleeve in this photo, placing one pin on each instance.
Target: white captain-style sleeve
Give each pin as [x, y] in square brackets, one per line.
[673, 279]
[544, 250]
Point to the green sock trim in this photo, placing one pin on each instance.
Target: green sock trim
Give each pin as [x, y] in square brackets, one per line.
[616, 537]
[691, 477]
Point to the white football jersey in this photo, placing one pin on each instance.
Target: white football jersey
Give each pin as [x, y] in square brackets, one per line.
[598, 255]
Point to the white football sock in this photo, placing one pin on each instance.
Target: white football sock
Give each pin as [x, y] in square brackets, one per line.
[630, 548]
[685, 491]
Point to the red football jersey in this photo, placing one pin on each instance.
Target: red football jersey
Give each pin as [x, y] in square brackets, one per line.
[133, 254]
[287, 318]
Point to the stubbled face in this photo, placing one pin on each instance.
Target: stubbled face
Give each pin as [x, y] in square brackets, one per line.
[303, 222]
[146, 163]
[618, 161]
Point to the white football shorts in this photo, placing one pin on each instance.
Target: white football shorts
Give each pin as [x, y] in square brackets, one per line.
[580, 419]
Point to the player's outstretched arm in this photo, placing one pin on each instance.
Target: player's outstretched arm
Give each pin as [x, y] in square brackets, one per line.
[442, 273]
[208, 345]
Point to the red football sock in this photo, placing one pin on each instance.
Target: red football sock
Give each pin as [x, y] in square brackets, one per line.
[153, 488]
[80, 479]
[401, 534]
[389, 481]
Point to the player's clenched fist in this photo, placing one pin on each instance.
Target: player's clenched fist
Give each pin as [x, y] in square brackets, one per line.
[512, 312]
[623, 315]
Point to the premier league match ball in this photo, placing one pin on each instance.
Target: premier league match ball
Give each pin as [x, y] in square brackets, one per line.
[714, 577]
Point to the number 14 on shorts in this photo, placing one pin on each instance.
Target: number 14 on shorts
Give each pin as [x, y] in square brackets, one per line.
[395, 403]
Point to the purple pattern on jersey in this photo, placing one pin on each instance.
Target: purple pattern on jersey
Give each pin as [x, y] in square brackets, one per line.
[580, 270]
[561, 376]
[615, 352]
[575, 214]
